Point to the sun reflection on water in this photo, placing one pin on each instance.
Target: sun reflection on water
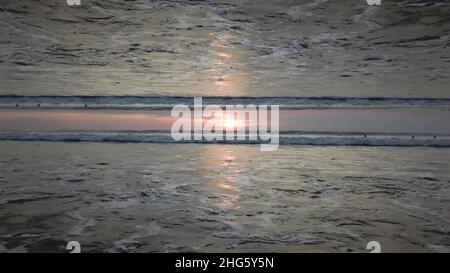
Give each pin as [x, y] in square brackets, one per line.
[225, 184]
[225, 60]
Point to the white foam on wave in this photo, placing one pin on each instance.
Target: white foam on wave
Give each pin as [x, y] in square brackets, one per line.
[163, 102]
[81, 225]
[285, 138]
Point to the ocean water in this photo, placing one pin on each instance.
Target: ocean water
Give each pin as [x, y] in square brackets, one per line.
[86, 155]
[203, 198]
[294, 138]
[368, 126]
[289, 48]
[167, 102]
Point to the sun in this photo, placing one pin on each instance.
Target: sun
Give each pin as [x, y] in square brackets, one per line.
[227, 120]
[230, 122]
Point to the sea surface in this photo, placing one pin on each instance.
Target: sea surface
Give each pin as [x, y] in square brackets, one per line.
[226, 198]
[300, 48]
[86, 155]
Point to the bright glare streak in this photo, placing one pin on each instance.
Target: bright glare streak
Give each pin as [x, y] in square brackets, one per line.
[228, 120]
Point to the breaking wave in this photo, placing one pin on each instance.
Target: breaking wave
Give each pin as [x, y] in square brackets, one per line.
[167, 102]
[291, 138]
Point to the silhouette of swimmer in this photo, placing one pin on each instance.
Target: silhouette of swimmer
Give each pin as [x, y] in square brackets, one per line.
[85, 106]
[412, 136]
[39, 105]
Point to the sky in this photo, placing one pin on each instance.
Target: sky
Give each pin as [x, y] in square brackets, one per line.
[403, 120]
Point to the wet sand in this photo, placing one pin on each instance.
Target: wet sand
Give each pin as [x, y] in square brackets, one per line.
[226, 198]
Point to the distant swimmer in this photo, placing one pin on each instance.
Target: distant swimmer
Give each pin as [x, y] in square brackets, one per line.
[85, 106]
[39, 105]
[434, 136]
[17, 105]
[412, 136]
[365, 135]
